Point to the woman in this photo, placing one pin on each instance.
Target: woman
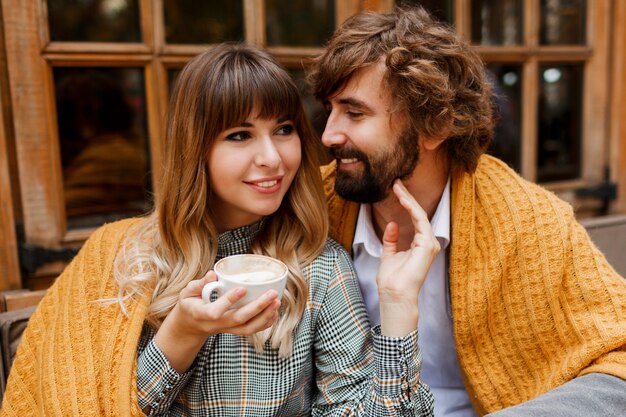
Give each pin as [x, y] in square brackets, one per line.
[241, 176]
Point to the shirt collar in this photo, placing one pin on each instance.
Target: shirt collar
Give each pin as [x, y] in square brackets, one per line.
[365, 237]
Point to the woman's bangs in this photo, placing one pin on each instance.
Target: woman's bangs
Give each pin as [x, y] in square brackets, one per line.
[250, 84]
[276, 98]
[231, 105]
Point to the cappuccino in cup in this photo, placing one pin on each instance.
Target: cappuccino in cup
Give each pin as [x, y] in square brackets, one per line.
[256, 273]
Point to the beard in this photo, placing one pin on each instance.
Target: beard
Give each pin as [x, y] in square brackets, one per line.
[379, 171]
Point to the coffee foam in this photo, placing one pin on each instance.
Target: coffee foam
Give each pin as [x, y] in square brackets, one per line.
[250, 269]
[255, 276]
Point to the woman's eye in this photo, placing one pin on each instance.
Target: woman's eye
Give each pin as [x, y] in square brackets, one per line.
[238, 136]
[287, 129]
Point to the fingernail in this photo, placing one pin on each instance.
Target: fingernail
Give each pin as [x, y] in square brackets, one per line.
[240, 291]
[270, 295]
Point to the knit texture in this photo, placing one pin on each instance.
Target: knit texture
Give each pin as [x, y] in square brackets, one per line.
[94, 376]
[534, 302]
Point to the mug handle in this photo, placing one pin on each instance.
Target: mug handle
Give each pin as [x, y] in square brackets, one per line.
[208, 289]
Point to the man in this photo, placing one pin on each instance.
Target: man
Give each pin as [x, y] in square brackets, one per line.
[519, 311]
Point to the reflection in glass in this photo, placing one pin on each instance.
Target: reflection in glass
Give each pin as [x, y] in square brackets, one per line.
[507, 87]
[442, 10]
[562, 22]
[203, 22]
[299, 22]
[560, 109]
[103, 142]
[94, 20]
[313, 108]
[497, 22]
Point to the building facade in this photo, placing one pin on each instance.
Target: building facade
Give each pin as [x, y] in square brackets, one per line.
[84, 86]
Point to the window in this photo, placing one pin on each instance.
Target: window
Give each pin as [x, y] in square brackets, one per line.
[549, 64]
[549, 60]
[90, 83]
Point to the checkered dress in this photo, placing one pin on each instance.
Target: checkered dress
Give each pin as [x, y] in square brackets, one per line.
[338, 367]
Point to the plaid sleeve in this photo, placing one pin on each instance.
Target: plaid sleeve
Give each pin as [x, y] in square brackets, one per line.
[359, 371]
[398, 363]
[158, 383]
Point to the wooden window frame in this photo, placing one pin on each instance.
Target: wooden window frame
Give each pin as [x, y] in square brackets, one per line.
[598, 147]
[31, 58]
[594, 57]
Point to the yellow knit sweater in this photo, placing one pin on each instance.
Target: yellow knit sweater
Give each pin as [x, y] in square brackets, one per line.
[78, 356]
[534, 303]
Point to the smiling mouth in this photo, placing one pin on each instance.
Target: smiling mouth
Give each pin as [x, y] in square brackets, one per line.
[266, 184]
[348, 160]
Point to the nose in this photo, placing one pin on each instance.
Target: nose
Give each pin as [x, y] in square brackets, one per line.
[267, 154]
[333, 133]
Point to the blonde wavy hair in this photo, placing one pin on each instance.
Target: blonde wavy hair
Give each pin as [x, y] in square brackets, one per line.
[177, 243]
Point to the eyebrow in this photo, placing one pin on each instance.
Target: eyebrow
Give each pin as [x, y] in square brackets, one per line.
[280, 119]
[351, 101]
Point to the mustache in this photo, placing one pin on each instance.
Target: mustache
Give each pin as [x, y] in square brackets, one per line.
[346, 153]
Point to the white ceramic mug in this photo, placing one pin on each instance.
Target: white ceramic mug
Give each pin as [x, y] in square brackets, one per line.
[256, 273]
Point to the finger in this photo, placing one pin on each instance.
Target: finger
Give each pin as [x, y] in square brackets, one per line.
[220, 306]
[418, 215]
[390, 238]
[247, 312]
[194, 288]
[261, 321]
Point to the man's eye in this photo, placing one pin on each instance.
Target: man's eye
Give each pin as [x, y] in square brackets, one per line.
[238, 136]
[354, 114]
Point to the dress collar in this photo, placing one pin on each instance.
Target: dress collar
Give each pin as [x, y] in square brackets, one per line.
[239, 240]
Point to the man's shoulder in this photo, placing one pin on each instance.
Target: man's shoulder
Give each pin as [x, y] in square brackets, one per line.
[496, 193]
[329, 173]
[507, 186]
[342, 213]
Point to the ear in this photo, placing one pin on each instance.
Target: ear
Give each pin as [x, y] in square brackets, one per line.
[432, 143]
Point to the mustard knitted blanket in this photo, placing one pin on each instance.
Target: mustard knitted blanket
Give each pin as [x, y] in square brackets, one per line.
[78, 356]
[534, 303]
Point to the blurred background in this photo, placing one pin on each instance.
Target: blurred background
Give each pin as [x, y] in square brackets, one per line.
[84, 86]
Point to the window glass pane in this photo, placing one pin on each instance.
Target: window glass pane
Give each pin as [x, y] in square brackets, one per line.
[94, 20]
[202, 22]
[314, 110]
[172, 74]
[562, 22]
[443, 10]
[560, 109]
[497, 22]
[104, 144]
[507, 86]
[299, 22]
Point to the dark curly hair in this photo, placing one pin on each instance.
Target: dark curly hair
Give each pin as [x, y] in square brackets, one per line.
[435, 76]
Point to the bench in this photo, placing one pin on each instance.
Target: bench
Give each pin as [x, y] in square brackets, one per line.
[609, 235]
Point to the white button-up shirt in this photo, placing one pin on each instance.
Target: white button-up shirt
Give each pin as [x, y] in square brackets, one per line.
[440, 366]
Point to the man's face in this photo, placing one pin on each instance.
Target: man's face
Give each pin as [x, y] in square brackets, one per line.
[372, 144]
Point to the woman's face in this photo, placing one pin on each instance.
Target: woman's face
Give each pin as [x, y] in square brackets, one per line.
[250, 169]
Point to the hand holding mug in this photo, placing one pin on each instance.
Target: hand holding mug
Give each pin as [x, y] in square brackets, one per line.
[256, 273]
[192, 320]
